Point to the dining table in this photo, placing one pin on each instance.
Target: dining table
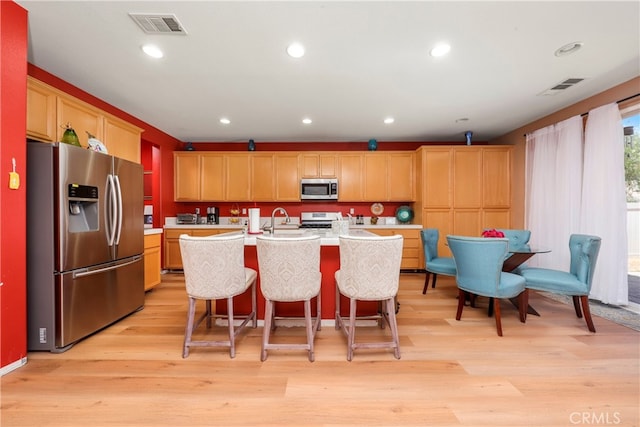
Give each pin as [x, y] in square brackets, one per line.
[519, 255]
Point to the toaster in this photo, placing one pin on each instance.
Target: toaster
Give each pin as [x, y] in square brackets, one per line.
[187, 218]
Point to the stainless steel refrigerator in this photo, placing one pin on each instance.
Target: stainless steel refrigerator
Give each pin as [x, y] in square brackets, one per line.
[85, 238]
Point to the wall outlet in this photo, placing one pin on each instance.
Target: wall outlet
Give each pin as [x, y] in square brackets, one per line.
[352, 211]
[244, 211]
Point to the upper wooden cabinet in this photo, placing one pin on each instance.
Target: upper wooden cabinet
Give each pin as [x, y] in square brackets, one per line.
[263, 177]
[318, 165]
[49, 110]
[186, 176]
[375, 177]
[237, 180]
[82, 117]
[287, 185]
[435, 177]
[212, 177]
[122, 139]
[41, 111]
[225, 176]
[462, 189]
[467, 178]
[389, 176]
[275, 176]
[496, 177]
[350, 177]
[401, 176]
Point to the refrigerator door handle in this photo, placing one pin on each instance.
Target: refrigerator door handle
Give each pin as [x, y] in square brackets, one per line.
[111, 212]
[118, 190]
[82, 272]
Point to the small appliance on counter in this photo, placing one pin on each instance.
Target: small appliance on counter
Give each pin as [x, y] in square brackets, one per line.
[148, 216]
[213, 215]
[187, 218]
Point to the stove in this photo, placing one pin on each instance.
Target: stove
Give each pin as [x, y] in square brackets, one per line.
[318, 219]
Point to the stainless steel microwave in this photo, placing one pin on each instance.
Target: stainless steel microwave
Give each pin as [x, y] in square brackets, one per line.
[319, 189]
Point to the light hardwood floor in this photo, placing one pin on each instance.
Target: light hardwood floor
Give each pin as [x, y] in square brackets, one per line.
[548, 372]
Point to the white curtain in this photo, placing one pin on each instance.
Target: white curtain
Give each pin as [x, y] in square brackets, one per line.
[554, 190]
[604, 205]
[575, 187]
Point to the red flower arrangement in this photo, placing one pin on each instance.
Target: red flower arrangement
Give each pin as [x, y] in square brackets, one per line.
[492, 233]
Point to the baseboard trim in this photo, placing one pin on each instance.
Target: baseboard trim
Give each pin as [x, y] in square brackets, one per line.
[13, 366]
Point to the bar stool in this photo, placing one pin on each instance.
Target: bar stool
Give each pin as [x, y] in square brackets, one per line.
[214, 269]
[289, 271]
[369, 270]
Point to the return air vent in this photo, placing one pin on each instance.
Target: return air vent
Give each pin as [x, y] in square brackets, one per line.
[158, 23]
[563, 85]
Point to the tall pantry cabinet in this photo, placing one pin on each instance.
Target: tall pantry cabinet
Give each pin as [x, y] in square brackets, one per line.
[463, 189]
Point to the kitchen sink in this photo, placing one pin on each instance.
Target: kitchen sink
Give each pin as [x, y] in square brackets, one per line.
[288, 232]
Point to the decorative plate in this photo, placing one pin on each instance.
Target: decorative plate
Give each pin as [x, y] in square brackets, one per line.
[96, 145]
[404, 214]
[377, 209]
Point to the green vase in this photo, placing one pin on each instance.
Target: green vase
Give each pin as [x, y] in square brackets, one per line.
[70, 137]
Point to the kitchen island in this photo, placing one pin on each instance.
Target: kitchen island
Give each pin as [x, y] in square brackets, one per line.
[329, 264]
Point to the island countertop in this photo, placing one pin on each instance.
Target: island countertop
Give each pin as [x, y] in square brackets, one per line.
[327, 238]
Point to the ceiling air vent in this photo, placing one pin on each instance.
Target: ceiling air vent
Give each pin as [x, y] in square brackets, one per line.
[563, 85]
[158, 23]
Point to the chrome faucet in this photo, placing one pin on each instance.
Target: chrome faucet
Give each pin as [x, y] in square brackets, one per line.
[273, 220]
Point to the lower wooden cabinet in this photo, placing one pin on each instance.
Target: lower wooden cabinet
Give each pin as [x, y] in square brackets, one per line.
[172, 256]
[412, 253]
[151, 256]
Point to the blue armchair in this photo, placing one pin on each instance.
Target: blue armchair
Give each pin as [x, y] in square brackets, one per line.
[576, 282]
[433, 263]
[479, 272]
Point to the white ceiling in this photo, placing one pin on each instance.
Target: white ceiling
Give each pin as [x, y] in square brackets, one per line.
[365, 60]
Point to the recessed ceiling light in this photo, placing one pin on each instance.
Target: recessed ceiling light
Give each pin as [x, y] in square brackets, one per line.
[152, 50]
[295, 50]
[568, 49]
[225, 121]
[307, 121]
[440, 50]
[389, 120]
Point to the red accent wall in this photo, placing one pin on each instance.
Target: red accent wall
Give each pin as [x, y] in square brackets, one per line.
[13, 125]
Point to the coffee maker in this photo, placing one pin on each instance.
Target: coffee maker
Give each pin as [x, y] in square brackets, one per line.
[213, 215]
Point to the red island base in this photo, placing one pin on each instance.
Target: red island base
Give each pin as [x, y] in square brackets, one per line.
[329, 264]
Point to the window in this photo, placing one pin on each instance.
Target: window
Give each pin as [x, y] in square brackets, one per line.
[631, 124]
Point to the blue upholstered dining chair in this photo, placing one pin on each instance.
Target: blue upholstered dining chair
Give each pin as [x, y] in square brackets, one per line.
[516, 237]
[433, 263]
[576, 282]
[479, 272]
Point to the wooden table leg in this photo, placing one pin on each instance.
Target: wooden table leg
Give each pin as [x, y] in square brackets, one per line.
[510, 264]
